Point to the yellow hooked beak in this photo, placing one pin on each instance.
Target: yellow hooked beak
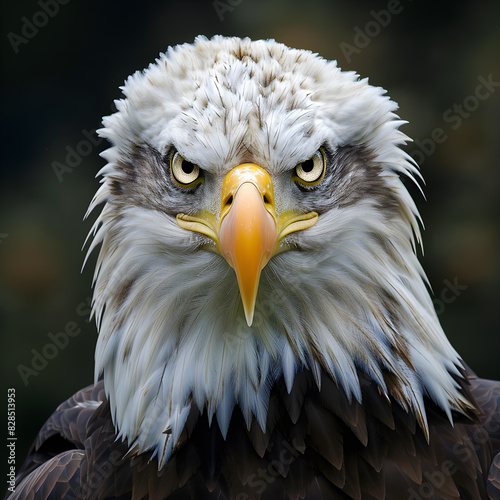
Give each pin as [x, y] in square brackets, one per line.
[248, 232]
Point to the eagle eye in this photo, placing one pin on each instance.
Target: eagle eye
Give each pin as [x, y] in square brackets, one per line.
[310, 171]
[184, 173]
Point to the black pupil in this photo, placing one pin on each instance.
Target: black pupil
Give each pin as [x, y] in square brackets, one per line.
[187, 167]
[308, 165]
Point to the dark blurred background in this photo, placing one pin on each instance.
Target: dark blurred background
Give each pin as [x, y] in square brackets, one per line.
[62, 65]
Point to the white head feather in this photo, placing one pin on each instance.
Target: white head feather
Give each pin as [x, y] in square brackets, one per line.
[351, 295]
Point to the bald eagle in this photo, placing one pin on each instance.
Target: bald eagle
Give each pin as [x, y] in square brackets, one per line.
[265, 327]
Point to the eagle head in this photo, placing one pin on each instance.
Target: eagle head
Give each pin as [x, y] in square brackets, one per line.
[254, 226]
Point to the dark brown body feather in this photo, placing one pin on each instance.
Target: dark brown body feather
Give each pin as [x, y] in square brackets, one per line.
[318, 445]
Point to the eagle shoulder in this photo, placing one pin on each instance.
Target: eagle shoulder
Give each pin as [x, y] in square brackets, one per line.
[326, 446]
[486, 435]
[73, 437]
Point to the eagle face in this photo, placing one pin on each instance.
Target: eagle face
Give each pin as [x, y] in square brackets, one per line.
[255, 226]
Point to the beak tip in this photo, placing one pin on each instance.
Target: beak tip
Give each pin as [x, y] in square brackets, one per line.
[249, 318]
